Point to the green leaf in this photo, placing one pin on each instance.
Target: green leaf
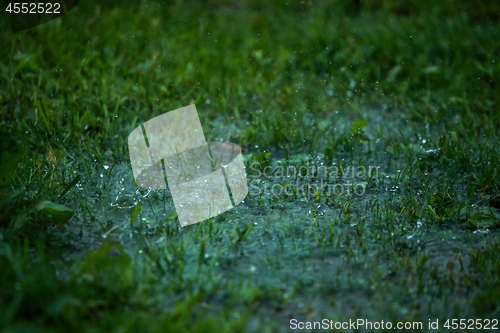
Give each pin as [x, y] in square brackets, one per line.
[10, 154]
[60, 214]
[260, 157]
[431, 69]
[358, 125]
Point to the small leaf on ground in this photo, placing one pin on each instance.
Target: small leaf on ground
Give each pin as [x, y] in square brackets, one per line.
[60, 214]
[358, 125]
[260, 157]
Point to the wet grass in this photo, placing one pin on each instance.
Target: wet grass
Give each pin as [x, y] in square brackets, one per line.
[412, 92]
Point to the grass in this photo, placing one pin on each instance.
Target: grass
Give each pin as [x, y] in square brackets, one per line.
[410, 90]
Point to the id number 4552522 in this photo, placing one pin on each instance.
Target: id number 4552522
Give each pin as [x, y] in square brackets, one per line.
[477, 324]
[34, 8]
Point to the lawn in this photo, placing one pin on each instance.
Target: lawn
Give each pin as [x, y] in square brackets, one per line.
[370, 134]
